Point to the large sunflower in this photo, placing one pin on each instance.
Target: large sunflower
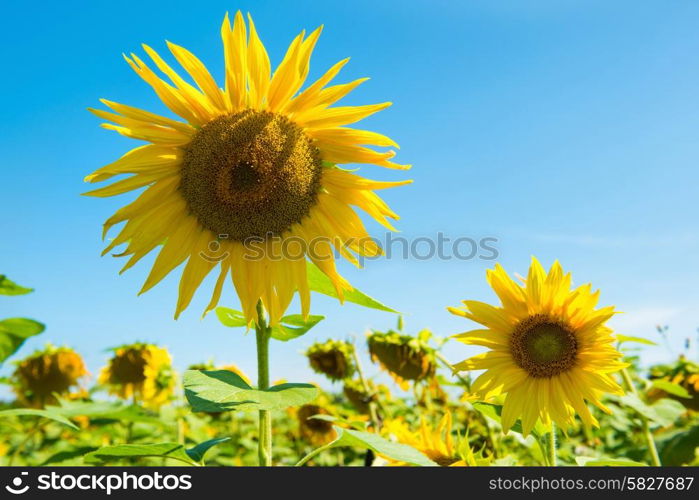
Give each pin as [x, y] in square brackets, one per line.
[550, 350]
[254, 162]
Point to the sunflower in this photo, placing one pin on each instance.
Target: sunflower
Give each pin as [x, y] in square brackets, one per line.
[316, 431]
[550, 350]
[437, 444]
[140, 371]
[334, 359]
[404, 357]
[246, 181]
[46, 373]
[356, 394]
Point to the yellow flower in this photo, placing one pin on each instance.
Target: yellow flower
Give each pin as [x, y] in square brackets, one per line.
[55, 370]
[142, 372]
[550, 350]
[333, 358]
[402, 356]
[247, 182]
[437, 444]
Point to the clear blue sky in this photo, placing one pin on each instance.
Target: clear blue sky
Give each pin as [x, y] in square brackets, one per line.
[566, 129]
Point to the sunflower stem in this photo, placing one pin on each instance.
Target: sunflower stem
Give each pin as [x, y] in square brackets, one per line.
[262, 335]
[655, 458]
[551, 446]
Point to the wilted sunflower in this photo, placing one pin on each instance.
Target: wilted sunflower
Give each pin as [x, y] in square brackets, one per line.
[355, 392]
[404, 357]
[247, 165]
[437, 444]
[140, 371]
[333, 358]
[54, 370]
[316, 431]
[550, 350]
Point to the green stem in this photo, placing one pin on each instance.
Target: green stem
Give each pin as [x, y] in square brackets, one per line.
[373, 411]
[262, 334]
[655, 458]
[313, 454]
[551, 446]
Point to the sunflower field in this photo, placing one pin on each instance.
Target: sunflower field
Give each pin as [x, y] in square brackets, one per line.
[140, 411]
[251, 180]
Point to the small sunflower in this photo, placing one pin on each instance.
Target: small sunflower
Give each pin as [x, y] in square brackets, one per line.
[314, 430]
[248, 165]
[334, 359]
[550, 350]
[403, 356]
[140, 371]
[437, 444]
[53, 370]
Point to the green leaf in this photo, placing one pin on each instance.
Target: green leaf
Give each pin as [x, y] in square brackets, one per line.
[640, 340]
[367, 440]
[663, 412]
[70, 454]
[670, 388]
[9, 287]
[217, 391]
[13, 333]
[293, 326]
[667, 411]
[174, 451]
[21, 412]
[608, 462]
[197, 452]
[231, 317]
[320, 283]
[104, 410]
[678, 448]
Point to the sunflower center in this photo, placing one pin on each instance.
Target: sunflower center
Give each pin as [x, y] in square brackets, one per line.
[250, 175]
[544, 347]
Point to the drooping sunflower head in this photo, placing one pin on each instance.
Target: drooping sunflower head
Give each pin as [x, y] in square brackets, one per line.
[247, 179]
[439, 443]
[356, 393]
[142, 372]
[46, 373]
[403, 356]
[550, 351]
[314, 430]
[333, 358]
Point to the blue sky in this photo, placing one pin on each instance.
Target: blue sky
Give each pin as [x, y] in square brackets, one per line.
[565, 129]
